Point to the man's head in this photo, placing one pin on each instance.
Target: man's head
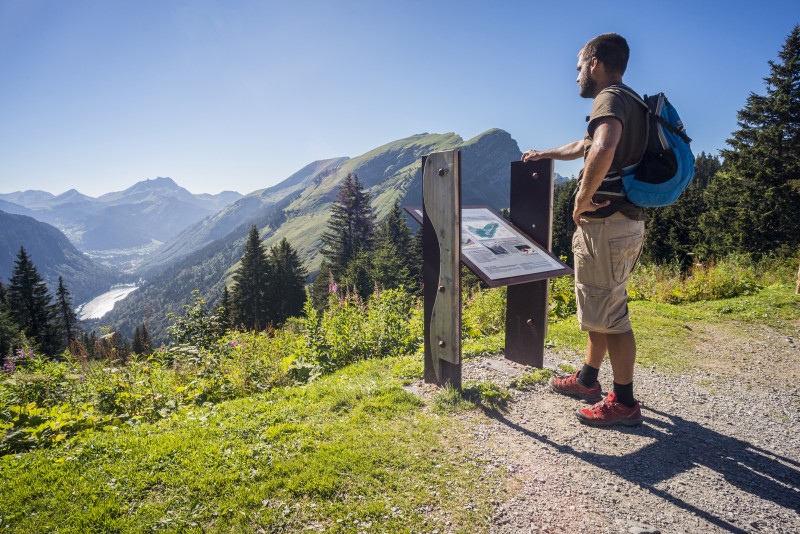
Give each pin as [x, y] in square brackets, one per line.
[601, 62]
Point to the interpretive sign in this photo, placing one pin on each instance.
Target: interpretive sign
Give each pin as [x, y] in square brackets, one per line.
[511, 253]
[499, 253]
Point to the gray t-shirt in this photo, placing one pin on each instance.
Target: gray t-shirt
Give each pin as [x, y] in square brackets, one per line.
[615, 102]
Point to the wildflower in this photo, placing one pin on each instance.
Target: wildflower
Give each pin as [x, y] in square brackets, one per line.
[234, 343]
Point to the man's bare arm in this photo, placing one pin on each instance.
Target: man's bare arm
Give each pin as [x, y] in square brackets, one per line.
[567, 152]
[598, 162]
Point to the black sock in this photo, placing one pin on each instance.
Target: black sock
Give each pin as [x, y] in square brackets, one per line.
[588, 375]
[624, 393]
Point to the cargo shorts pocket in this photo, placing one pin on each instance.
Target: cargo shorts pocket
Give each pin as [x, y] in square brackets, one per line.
[585, 271]
[625, 252]
[592, 303]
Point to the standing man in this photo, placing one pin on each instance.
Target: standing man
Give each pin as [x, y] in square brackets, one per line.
[610, 230]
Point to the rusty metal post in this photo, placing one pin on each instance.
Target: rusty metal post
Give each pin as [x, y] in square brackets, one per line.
[531, 207]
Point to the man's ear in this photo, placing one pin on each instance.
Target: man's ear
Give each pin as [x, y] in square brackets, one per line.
[594, 65]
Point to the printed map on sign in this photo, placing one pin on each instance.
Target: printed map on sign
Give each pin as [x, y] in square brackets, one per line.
[498, 250]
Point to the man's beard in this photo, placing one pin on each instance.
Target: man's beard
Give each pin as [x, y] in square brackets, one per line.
[588, 87]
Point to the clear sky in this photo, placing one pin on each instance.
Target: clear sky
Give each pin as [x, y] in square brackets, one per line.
[237, 95]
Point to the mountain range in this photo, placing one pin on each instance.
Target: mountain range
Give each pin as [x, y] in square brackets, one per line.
[151, 211]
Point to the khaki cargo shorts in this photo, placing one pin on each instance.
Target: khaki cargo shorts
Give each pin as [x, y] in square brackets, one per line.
[606, 250]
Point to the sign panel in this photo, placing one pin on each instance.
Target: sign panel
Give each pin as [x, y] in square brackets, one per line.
[499, 253]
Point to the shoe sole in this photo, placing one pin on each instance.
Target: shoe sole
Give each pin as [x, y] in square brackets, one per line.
[594, 422]
[583, 396]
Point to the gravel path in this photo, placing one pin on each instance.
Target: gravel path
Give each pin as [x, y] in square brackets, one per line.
[718, 452]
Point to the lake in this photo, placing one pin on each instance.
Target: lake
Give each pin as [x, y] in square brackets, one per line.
[101, 305]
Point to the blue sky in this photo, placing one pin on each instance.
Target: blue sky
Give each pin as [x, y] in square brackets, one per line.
[237, 95]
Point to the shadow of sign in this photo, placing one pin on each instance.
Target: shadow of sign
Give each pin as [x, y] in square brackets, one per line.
[679, 446]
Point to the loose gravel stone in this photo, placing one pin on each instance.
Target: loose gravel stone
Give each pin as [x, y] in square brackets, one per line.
[716, 453]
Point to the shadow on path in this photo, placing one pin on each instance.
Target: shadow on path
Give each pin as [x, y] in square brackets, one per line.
[680, 446]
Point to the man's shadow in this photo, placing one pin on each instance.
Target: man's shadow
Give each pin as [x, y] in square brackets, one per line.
[680, 446]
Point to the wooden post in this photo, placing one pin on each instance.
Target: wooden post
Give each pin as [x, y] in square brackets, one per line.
[527, 311]
[441, 256]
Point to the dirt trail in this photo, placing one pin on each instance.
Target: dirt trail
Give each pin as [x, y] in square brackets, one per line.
[719, 450]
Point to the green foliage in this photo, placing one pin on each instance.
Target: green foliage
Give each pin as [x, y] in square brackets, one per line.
[197, 326]
[472, 394]
[352, 330]
[531, 378]
[484, 313]
[726, 279]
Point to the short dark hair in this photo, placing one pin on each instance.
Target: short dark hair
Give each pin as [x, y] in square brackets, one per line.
[611, 49]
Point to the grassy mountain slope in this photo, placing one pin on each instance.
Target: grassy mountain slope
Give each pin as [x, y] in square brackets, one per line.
[257, 204]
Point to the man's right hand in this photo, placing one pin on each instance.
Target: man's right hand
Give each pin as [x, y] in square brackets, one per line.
[531, 155]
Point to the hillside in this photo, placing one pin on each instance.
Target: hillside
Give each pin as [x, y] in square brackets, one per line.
[256, 205]
[53, 255]
[390, 172]
[393, 172]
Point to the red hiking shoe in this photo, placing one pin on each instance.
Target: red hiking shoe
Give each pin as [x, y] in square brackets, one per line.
[575, 388]
[610, 411]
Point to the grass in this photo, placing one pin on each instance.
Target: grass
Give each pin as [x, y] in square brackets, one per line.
[350, 452]
[666, 335]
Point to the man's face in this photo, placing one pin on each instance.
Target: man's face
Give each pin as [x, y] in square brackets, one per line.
[587, 86]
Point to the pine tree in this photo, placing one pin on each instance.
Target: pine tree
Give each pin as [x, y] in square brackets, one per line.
[754, 203]
[69, 320]
[225, 314]
[322, 287]
[251, 281]
[9, 331]
[350, 227]
[393, 258]
[287, 286]
[142, 344]
[31, 305]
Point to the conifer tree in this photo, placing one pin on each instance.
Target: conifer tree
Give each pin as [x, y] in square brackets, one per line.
[31, 304]
[287, 286]
[142, 344]
[754, 203]
[69, 320]
[350, 227]
[250, 290]
[9, 331]
[225, 314]
[322, 287]
[393, 259]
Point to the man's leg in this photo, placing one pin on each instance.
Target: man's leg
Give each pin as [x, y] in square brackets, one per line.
[619, 407]
[595, 354]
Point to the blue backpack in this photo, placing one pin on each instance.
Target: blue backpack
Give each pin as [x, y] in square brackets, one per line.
[667, 165]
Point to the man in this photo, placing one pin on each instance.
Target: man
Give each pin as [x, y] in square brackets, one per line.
[610, 230]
